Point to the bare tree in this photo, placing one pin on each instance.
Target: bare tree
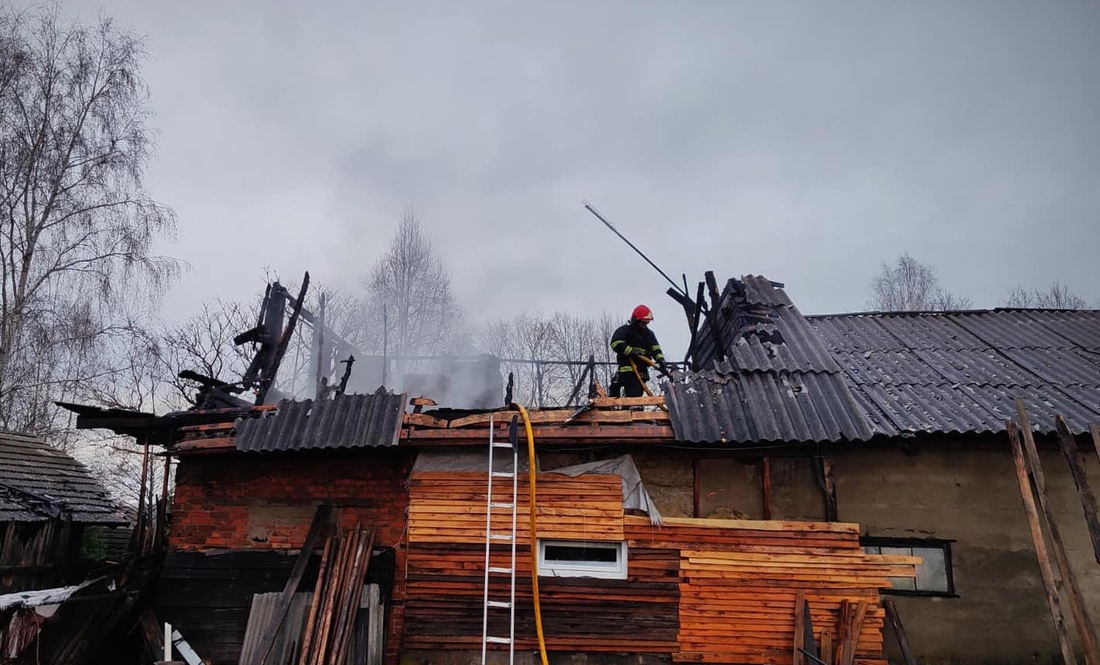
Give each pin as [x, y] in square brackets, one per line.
[546, 354]
[908, 285]
[77, 228]
[1057, 296]
[410, 306]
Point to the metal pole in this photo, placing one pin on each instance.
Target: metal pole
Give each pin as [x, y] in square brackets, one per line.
[319, 335]
[385, 342]
[538, 382]
[621, 236]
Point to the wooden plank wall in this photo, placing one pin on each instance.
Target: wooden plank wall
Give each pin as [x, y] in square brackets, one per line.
[449, 507]
[713, 591]
[446, 563]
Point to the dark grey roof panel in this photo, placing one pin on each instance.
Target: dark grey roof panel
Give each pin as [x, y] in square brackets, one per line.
[855, 333]
[1057, 366]
[1080, 326]
[1012, 329]
[759, 406]
[976, 366]
[892, 332]
[985, 358]
[39, 481]
[886, 367]
[929, 331]
[786, 344]
[762, 331]
[933, 408]
[347, 421]
[762, 291]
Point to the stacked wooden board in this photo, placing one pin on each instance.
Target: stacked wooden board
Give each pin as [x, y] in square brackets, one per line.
[711, 591]
[740, 580]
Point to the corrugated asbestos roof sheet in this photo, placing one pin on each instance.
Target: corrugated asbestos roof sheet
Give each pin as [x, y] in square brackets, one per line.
[347, 421]
[38, 482]
[765, 407]
[961, 371]
[777, 381]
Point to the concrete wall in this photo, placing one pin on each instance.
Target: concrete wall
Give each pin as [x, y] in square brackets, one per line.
[971, 496]
[944, 490]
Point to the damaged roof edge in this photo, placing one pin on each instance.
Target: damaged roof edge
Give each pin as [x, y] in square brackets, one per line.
[347, 421]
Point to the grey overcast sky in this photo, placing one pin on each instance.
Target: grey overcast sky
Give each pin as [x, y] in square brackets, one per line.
[805, 141]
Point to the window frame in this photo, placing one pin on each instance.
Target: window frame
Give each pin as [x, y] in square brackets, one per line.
[579, 568]
[943, 544]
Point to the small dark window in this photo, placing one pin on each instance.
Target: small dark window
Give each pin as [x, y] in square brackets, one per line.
[577, 553]
[563, 558]
[934, 574]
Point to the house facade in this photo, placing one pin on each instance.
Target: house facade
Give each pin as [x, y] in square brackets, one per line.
[875, 438]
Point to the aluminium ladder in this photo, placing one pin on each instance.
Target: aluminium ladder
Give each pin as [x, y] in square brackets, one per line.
[490, 538]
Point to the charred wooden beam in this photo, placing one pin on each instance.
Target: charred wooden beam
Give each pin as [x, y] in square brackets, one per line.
[714, 317]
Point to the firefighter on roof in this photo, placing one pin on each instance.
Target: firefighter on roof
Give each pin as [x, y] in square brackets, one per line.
[632, 344]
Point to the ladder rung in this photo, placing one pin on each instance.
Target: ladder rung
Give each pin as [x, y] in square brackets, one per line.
[500, 536]
[498, 640]
[499, 569]
[502, 504]
[503, 474]
[499, 603]
[498, 444]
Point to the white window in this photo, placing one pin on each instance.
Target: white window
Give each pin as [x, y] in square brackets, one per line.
[578, 558]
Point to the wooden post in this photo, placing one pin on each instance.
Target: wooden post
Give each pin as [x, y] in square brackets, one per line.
[137, 543]
[843, 627]
[311, 619]
[695, 488]
[829, 488]
[799, 626]
[853, 633]
[1095, 432]
[376, 628]
[1085, 626]
[826, 646]
[767, 483]
[1049, 581]
[899, 631]
[1080, 479]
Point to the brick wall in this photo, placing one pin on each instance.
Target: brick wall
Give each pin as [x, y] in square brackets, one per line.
[243, 501]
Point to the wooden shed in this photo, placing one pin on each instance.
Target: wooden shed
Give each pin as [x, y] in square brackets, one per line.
[47, 499]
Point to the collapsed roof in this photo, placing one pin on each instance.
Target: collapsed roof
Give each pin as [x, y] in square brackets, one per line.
[768, 373]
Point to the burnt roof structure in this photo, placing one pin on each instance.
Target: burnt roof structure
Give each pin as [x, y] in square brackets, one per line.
[766, 373]
[346, 421]
[38, 483]
[765, 376]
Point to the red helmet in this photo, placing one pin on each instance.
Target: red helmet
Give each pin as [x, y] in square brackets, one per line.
[641, 313]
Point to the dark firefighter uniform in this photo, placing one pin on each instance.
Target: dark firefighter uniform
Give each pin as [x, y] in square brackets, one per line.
[630, 341]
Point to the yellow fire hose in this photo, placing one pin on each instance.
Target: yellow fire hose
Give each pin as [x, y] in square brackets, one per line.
[634, 366]
[534, 536]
